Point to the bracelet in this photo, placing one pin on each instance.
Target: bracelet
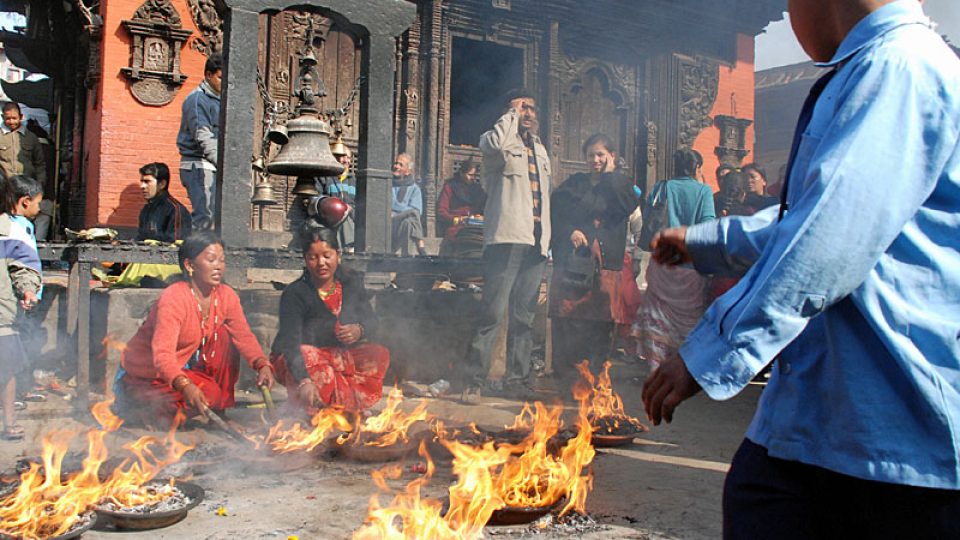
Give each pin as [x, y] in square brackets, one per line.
[305, 381]
[261, 362]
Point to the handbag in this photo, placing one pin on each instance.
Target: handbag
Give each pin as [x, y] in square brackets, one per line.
[656, 216]
[580, 271]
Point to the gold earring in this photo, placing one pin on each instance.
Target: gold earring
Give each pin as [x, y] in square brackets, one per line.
[189, 272]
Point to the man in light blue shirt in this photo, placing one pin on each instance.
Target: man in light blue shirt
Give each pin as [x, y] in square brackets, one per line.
[852, 286]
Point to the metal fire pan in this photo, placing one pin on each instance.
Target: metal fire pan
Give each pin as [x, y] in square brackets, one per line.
[510, 515]
[376, 454]
[108, 519]
[607, 440]
[76, 532]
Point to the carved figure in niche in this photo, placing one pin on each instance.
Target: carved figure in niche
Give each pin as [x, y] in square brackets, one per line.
[155, 56]
[160, 11]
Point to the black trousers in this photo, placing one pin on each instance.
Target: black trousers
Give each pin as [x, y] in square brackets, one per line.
[766, 497]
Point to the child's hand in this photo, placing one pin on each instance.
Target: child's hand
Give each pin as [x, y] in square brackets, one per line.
[28, 301]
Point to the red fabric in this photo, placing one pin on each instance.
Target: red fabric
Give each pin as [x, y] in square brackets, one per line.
[349, 377]
[174, 330]
[216, 378]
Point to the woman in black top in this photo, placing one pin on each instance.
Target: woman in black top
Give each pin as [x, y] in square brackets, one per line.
[589, 214]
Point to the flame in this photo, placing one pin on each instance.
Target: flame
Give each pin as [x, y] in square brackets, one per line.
[411, 517]
[602, 406]
[46, 505]
[534, 476]
[298, 439]
[390, 426]
[489, 477]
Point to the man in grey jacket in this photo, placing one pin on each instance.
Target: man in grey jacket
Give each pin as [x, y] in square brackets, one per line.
[197, 142]
[516, 235]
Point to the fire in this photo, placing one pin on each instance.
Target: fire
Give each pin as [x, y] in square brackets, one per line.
[46, 505]
[298, 439]
[534, 476]
[489, 477]
[602, 406]
[411, 517]
[388, 427]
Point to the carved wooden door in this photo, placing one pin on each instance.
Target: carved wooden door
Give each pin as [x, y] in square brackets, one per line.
[337, 47]
[597, 98]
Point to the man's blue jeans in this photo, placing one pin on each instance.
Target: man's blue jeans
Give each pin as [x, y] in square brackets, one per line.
[511, 286]
[201, 187]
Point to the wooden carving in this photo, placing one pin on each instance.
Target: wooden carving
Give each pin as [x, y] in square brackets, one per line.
[210, 24]
[698, 92]
[154, 71]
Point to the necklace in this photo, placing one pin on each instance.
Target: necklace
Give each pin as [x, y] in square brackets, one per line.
[326, 294]
[216, 319]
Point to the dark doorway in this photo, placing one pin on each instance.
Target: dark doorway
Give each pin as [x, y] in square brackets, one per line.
[481, 73]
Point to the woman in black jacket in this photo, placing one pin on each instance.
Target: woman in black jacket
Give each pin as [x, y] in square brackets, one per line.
[323, 351]
[589, 213]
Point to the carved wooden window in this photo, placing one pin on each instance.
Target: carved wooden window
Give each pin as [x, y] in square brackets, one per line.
[481, 73]
[590, 107]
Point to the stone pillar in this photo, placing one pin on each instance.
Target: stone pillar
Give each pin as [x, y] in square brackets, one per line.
[376, 142]
[238, 102]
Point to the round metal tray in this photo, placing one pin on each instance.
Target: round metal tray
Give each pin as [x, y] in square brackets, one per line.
[607, 441]
[76, 532]
[510, 515]
[108, 519]
[376, 454]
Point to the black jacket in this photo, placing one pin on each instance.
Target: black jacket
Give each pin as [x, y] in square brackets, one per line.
[578, 205]
[165, 219]
[306, 320]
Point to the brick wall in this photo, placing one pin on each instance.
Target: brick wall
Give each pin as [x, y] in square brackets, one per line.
[121, 134]
[736, 89]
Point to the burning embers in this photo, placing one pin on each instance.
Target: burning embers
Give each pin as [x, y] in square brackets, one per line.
[604, 408]
[492, 478]
[48, 503]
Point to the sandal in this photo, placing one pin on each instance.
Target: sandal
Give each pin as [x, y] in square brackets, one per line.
[13, 433]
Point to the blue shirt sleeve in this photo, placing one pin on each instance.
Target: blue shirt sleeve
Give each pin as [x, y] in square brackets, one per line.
[865, 165]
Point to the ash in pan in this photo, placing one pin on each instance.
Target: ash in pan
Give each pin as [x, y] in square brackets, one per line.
[173, 500]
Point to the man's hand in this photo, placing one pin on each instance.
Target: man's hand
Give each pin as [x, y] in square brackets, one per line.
[193, 397]
[665, 388]
[28, 301]
[669, 246]
[578, 239]
[265, 376]
[348, 334]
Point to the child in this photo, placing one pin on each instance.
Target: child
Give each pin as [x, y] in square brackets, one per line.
[20, 282]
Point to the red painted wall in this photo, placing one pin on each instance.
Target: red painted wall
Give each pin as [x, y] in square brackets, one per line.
[735, 90]
[121, 134]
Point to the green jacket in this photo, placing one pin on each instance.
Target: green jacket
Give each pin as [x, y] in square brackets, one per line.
[22, 153]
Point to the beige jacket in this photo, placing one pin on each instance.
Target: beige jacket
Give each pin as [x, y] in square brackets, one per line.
[508, 215]
[22, 153]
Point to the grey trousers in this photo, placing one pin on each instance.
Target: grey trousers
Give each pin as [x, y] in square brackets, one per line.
[511, 285]
[406, 231]
[201, 187]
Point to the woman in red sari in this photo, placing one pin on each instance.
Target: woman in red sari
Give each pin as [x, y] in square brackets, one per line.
[184, 356]
[322, 352]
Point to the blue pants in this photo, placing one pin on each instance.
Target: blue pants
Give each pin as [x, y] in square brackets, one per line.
[766, 497]
[511, 286]
[201, 187]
